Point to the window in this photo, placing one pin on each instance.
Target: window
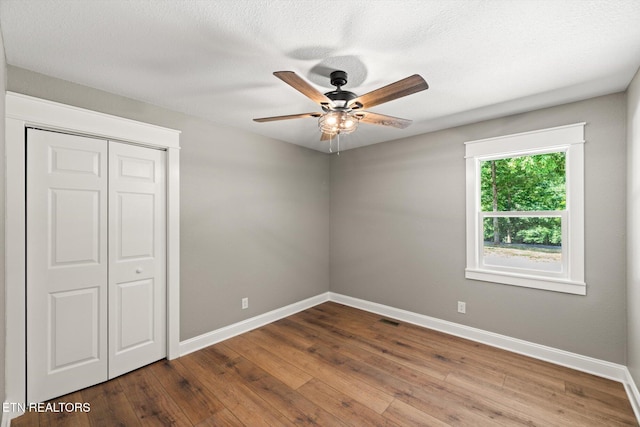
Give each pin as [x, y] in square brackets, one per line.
[522, 213]
[525, 209]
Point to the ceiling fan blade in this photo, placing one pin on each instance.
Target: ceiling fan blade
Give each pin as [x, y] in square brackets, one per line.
[290, 116]
[301, 85]
[382, 120]
[404, 87]
[325, 136]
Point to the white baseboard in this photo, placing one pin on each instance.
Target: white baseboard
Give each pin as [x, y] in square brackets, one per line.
[213, 337]
[575, 361]
[9, 415]
[633, 393]
[590, 365]
[560, 357]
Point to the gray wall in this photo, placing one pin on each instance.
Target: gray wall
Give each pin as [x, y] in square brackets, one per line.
[254, 211]
[398, 233]
[633, 224]
[3, 82]
[255, 222]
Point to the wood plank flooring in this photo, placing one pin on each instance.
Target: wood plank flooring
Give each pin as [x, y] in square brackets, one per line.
[333, 365]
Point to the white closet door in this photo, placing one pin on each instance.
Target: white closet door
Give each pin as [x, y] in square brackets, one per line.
[66, 263]
[137, 260]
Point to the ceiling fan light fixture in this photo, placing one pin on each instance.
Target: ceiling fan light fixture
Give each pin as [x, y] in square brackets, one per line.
[334, 122]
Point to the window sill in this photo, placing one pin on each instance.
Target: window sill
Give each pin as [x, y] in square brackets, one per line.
[528, 281]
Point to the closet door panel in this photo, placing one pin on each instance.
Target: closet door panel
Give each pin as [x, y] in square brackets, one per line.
[66, 263]
[136, 226]
[137, 269]
[135, 317]
[76, 311]
[75, 242]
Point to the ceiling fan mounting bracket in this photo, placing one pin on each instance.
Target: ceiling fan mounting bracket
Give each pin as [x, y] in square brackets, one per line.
[338, 78]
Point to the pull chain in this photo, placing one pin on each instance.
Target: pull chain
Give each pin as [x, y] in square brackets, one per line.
[331, 143]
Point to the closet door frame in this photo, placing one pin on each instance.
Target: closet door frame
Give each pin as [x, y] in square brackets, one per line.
[24, 111]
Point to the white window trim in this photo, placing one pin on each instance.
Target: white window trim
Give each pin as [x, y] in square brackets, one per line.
[570, 139]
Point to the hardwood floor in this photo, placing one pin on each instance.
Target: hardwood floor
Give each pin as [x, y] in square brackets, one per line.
[333, 365]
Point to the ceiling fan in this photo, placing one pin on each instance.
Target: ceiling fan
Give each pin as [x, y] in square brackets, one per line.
[343, 110]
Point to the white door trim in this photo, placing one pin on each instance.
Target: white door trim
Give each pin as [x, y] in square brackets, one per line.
[25, 111]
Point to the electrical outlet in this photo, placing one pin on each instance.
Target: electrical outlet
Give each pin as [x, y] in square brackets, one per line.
[462, 307]
[245, 303]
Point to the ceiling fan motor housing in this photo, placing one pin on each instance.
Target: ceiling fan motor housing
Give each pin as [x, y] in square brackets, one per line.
[340, 97]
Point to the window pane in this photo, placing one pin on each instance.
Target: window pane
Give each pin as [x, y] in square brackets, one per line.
[533, 243]
[525, 183]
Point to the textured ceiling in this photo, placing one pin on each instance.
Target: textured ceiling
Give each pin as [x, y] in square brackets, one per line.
[214, 59]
